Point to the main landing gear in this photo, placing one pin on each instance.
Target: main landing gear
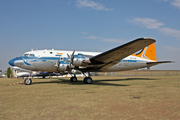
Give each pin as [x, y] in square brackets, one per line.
[73, 79]
[87, 79]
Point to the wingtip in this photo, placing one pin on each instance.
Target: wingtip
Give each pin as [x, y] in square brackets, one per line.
[147, 38]
[150, 38]
[171, 61]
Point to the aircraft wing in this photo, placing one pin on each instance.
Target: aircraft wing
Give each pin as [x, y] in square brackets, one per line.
[111, 57]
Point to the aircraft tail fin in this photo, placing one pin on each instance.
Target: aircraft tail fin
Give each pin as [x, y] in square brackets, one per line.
[148, 52]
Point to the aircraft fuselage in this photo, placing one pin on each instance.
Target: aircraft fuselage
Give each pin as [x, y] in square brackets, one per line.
[48, 62]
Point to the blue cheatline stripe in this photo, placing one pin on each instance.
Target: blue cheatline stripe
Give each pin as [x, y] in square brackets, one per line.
[58, 55]
[62, 62]
[77, 56]
[49, 58]
[128, 60]
[133, 61]
[26, 63]
[44, 59]
[33, 61]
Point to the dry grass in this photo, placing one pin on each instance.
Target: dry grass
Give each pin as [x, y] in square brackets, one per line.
[155, 97]
[143, 73]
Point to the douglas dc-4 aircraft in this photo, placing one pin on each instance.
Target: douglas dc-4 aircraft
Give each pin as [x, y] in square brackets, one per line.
[74, 62]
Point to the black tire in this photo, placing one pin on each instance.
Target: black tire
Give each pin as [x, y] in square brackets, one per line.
[88, 80]
[27, 81]
[85, 80]
[73, 79]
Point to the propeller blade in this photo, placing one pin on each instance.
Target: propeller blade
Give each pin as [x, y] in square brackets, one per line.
[68, 56]
[72, 56]
[70, 59]
[58, 64]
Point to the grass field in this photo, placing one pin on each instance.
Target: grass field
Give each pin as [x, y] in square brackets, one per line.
[143, 73]
[141, 97]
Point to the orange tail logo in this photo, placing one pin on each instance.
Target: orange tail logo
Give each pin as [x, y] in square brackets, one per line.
[148, 52]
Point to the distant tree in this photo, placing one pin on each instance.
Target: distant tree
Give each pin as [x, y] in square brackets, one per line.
[9, 72]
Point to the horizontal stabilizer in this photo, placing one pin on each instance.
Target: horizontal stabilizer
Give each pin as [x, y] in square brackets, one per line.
[149, 64]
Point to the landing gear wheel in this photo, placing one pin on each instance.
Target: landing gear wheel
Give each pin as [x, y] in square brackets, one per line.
[85, 80]
[73, 79]
[27, 81]
[88, 80]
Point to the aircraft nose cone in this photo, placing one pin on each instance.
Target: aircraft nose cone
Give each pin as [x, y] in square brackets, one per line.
[11, 62]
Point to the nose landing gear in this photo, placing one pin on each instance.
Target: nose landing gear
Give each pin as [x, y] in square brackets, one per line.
[27, 81]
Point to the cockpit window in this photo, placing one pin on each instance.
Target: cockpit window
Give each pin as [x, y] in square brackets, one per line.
[31, 55]
[28, 55]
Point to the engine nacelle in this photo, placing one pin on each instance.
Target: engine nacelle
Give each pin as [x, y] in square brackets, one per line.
[80, 62]
[77, 61]
[63, 67]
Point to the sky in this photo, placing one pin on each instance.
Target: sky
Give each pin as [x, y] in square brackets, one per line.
[89, 25]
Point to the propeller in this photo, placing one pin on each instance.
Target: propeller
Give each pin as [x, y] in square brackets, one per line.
[70, 58]
[57, 64]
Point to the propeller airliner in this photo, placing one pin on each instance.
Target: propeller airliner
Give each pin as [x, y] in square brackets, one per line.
[74, 62]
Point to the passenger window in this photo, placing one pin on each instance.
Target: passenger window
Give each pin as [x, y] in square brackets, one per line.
[51, 52]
